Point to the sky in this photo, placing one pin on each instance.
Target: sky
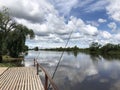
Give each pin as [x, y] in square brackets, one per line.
[53, 20]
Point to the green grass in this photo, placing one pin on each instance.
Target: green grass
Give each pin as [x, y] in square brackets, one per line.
[8, 65]
[10, 62]
[10, 59]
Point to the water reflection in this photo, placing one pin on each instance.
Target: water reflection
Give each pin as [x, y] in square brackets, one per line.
[81, 71]
[75, 53]
[105, 56]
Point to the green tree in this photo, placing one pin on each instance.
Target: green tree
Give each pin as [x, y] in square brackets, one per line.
[12, 35]
[110, 48]
[36, 48]
[7, 24]
[106, 48]
[75, 48]
[16, 42]
[94, 47]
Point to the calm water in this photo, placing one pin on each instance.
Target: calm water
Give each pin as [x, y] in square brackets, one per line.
[80, 71]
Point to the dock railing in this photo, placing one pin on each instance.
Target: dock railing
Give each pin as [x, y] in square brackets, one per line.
[48, 78]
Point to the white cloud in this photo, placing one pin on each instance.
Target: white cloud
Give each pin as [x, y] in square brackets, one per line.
[101, 20]
[99, 5]
[34, 10]
[106, 35]
[93, 23]
[39, 29]
[83, 3]
[64, 6]
[84, 28]
[112, 25]
[113, 9]
[50, 27]
[90, 30]
[117, 36]
[76, 36]
[57, 31]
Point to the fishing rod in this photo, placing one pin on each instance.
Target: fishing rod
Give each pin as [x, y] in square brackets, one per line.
[37, 56]
[61, 56]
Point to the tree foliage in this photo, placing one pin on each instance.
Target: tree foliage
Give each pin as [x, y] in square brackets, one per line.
[36, 48]
[110, 48]
[12, 35]
[94, 46]
[74, 49]
[105, 49]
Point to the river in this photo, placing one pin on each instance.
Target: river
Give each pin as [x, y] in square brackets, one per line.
[79, 71]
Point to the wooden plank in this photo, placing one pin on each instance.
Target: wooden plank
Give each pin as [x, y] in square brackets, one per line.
[5, 81]
[20, 78]
[2, 69]
[14, 82]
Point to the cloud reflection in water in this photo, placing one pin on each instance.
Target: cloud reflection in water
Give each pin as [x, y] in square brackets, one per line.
[81, 72]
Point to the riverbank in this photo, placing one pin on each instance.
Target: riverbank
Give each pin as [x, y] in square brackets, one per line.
[109, 49]
[10, 61]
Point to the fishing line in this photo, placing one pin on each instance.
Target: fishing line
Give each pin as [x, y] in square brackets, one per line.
[37, 56]
[61, 56]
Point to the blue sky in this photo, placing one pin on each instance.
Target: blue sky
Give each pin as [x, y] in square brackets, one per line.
[53, 20]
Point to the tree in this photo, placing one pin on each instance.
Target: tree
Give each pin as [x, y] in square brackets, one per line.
[36, 48]
[94, 46]
[108, 48]
[7, 24]
[12, 35]
[16, 43]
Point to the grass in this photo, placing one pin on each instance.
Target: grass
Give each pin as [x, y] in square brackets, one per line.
[8, 65]
[10, 62]
[10, 59]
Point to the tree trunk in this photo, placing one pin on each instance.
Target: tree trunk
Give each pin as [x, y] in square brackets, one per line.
[0, 58]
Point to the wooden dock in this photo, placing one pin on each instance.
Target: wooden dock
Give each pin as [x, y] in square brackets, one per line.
[20, 78]
[2, 69]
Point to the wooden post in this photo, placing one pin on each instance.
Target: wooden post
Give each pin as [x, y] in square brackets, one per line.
[46, 82]
[37, 68]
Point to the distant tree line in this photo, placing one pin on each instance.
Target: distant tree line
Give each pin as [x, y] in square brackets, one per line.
[105, 49]
[94, 48]
[75, 48]
[12, 35]
[35, 48]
